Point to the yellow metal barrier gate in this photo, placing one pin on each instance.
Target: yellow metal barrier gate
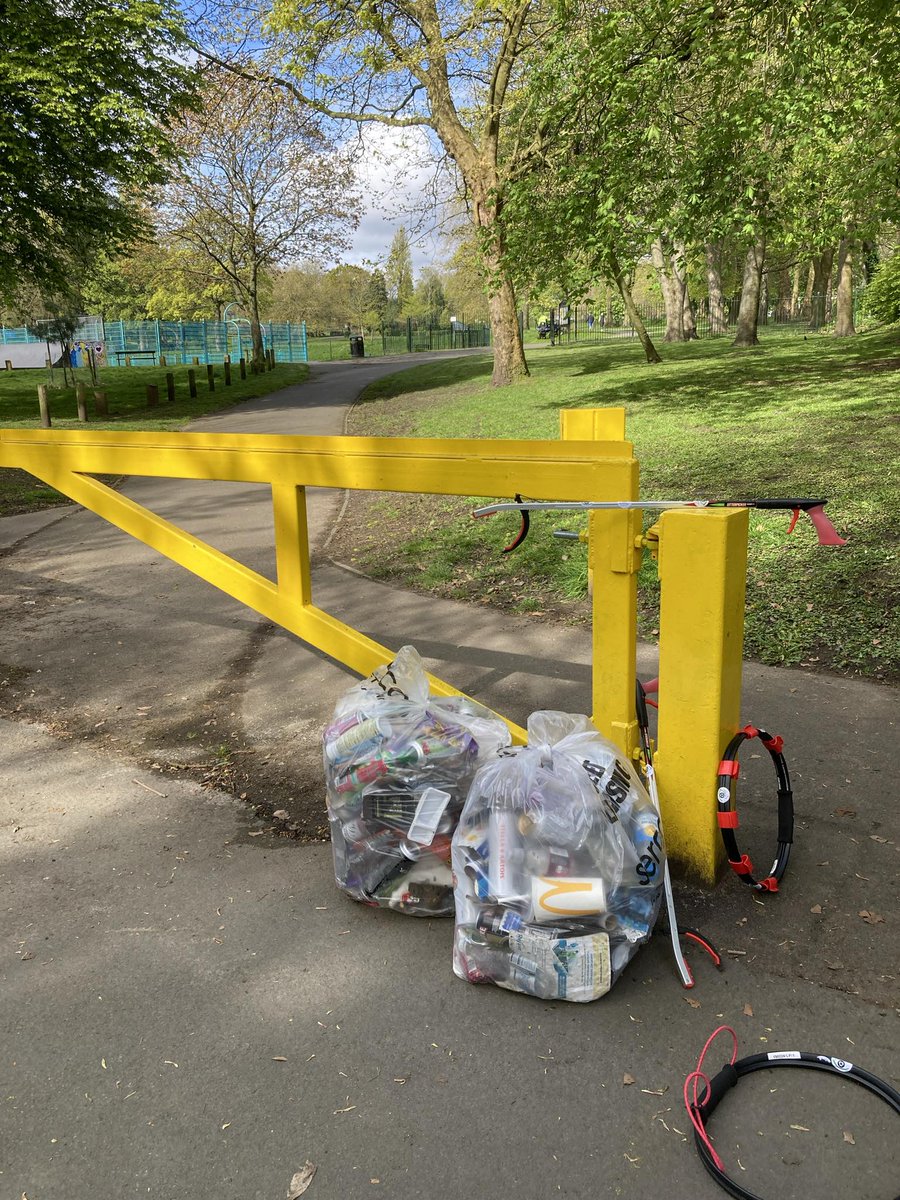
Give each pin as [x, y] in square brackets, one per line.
[701, 560]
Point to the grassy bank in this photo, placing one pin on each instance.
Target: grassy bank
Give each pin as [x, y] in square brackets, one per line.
[126, 389]
[815, 416]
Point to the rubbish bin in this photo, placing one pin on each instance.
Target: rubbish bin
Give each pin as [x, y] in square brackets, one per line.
[357, 348]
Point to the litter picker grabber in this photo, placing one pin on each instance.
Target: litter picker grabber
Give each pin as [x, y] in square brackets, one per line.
[815, 509]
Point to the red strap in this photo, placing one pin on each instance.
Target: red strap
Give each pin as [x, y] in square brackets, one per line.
[728, 766]
[750, 731]
[775, 744]
[728, 820]
[744, 867]
[769, 884]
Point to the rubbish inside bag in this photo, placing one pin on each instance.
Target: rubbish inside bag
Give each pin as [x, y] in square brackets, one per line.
[558, 865]
[398, 765]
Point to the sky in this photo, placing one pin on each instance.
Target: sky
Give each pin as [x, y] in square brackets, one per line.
[395, 171]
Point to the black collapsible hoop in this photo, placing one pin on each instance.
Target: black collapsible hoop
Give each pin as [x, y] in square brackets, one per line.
[727, 813]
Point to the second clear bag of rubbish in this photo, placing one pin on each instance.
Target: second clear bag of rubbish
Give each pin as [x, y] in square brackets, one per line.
[558, 865]
[398, 764]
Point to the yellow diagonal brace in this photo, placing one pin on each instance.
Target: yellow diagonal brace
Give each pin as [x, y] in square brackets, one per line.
[362, 654]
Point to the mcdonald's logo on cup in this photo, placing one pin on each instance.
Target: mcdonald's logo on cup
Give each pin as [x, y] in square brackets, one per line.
[552, 898]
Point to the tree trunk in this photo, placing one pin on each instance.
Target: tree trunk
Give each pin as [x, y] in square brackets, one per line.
[748, 314]
[640, 328]
[806, 310]
[682, 292]
[795, 293]
[762, 316]
[843, 322]
[509, 353]
[717, 322]
[672, 298]
[821, 275]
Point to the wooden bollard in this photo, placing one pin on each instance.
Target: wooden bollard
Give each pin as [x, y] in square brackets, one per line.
[192, 384]
[152, 395]
[196, 362]
[227, 365]
[242, 364]
[162, 361]
[101, 404]
[8, 365]
[211, 377]
[170, 387]
[81, 401]
[272, 359]
[44, 405]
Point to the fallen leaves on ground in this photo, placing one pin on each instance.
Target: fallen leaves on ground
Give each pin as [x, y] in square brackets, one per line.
[627, 1079]
[691, 1001]
[816, 908]
[845, 812]
[849, 1138]
[871, 918]
[301, 1180]
[748, 1010]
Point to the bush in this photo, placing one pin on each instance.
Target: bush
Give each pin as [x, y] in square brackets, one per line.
[882, 297]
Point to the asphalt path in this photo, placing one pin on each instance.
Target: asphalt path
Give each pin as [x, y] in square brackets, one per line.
[191, 1009]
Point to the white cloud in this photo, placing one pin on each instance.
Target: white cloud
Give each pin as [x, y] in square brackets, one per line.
[396, 175]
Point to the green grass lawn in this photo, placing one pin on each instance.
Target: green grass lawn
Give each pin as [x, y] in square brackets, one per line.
[126, 389]
[799, 416]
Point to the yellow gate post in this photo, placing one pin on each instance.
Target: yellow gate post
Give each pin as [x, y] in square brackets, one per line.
[614, 560]
[702, 572]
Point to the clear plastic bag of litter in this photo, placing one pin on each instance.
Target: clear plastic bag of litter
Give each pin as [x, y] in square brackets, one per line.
[398, 765]
[557, 863]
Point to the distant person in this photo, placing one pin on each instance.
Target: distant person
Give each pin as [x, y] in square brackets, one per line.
[590, 321]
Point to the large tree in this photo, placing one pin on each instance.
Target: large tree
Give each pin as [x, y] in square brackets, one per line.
[443, 65]
[87, 92]
[259, 185]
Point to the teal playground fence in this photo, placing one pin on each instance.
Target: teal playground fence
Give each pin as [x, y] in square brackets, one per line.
[179, 341]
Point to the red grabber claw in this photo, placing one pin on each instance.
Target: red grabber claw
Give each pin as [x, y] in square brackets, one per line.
[828, 535]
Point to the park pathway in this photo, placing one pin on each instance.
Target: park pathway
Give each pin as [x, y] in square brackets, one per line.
[190, 1008]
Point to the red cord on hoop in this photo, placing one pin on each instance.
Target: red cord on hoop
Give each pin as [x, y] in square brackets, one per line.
[696, 1076]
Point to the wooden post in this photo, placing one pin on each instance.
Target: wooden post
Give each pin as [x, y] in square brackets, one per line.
[81, 401]
[44, 405]
[152, 395]
[8, 365]
[195, 361]
[192, 384]
[127, 360]
[243, 367]
[211, 377]
[170, 387]
[100, 402]
[227, 365]
[162, 361]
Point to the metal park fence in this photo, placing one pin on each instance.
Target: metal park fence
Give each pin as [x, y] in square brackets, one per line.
[401, 337]
[588, 324]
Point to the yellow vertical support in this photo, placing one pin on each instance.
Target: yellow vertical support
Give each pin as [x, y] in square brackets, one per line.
[613, 563]
[291, 543]
[702, 571]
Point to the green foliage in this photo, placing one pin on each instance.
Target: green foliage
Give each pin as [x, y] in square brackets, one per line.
[88, 89]
[882, 297]
[398, 274]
